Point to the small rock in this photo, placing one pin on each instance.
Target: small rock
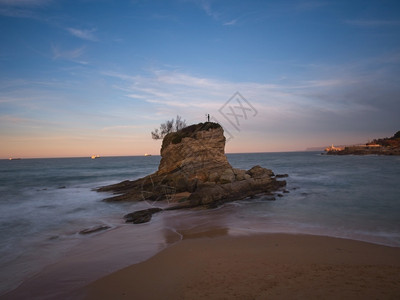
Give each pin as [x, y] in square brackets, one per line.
[141, 216]
[259, 172]
[281, 175]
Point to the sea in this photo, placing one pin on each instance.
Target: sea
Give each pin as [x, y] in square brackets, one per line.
[45, 203]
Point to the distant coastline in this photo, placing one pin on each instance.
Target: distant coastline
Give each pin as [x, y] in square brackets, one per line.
[382, 146]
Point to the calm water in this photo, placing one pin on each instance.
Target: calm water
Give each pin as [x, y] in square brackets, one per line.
[45, 202]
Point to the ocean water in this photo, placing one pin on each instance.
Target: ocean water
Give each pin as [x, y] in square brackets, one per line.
[44, 203]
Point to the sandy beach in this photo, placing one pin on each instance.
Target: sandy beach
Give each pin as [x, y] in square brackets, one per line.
[268, 266]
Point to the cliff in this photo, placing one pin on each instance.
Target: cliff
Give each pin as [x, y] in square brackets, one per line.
[194, 171]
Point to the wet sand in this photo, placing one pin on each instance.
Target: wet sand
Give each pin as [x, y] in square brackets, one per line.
[94, 257]
[267, 266]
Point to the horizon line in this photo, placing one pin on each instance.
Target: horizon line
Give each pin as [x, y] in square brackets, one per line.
[140, 155]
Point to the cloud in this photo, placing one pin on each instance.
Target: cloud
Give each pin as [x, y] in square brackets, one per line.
[28, 95]
[219, 16]
[206, 6]
[171, 91]
[372, 23]
[71, 55]
[84, 34]
[118, 75]
[13, 119]
[230, 23]
[31, 123]
[362, 97]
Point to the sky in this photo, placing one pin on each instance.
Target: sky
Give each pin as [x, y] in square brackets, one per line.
[87, 77]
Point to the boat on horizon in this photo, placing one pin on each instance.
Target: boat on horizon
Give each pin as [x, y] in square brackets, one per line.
[146, 154]
[12, 158]
[95, 156]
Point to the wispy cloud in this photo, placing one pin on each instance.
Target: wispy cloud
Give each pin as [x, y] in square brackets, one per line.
[28, 94]
[230, 23]
[337, 99]
[84, 34]
[10, 119]
[218, 15]
[175, 90]
[71, 55]
[372, 23]
[206, 6]
[118, 75]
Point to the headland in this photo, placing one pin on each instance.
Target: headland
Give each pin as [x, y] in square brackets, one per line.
[382, 146]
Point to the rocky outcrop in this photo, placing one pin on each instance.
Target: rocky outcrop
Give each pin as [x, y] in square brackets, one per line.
[194, 171]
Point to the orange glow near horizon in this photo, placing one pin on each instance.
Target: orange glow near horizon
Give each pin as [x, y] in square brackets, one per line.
[139, 144]
[65, 148]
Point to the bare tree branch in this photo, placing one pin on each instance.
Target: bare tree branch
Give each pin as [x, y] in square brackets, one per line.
[167, 127]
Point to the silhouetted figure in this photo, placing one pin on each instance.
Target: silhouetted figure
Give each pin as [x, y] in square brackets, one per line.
[208, 117]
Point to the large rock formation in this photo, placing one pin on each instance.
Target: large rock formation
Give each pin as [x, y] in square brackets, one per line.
[194, 171]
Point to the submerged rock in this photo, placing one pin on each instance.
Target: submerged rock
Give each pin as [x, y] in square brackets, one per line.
[281, 175]
[193, 164]
[94, 229]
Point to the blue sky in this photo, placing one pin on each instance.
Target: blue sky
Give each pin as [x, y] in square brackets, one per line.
[90, 77]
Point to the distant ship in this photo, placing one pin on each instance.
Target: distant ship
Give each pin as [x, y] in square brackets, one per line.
[11, 158]
[95, 156]
[146, 154]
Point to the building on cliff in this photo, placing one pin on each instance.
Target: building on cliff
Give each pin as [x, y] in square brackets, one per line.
[333, 148]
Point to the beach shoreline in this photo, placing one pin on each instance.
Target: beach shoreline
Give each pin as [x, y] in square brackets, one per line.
[214, 264]
[283, 266]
